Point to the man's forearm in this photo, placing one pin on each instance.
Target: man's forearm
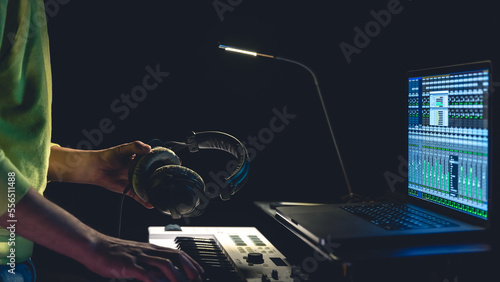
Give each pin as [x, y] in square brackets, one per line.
[69, 165]
[47, 224]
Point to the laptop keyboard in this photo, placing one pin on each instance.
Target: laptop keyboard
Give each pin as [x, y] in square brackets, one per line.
[390, 216]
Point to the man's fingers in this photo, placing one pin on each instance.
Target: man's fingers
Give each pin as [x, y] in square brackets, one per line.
[136, 272]
[165, 266]
[134, 196]
[189, 262]
[145, 204]
[127, 150]
[139, 147]
[136, 147]
[192, 269]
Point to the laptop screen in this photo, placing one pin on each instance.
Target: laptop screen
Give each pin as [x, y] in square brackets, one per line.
[448, 137]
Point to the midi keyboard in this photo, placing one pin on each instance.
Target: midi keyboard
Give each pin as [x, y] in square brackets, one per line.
[229, 253]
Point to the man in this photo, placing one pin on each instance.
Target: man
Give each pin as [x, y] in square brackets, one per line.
[28, 160]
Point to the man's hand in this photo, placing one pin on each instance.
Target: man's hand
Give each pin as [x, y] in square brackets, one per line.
[107, 168]
[116, 258]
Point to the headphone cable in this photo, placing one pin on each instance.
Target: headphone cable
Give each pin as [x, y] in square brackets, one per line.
[120, 211]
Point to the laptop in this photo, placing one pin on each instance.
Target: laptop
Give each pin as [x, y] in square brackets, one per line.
[449, 187]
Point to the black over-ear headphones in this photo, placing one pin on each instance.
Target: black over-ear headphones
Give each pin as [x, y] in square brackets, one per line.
[159, 178]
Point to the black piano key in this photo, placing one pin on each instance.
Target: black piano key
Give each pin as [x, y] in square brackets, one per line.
[210, 256]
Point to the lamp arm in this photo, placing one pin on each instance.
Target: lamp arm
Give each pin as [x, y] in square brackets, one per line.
[351, 194]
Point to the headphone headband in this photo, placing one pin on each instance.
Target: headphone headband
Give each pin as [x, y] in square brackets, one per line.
[217, 140]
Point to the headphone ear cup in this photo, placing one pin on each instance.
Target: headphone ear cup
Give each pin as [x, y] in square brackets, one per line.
[175, 190]
[145, 165]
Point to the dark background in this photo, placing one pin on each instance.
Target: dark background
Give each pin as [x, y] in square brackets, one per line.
[100, 50]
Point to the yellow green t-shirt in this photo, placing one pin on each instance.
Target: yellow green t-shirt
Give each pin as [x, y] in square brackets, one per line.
[25, 114]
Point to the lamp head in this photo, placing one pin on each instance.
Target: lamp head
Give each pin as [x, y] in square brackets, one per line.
[241, 51]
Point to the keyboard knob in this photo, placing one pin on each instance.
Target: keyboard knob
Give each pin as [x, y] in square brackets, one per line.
[274, 274]
[255, 258]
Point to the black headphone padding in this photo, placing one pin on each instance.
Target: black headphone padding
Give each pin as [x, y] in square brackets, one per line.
[144, 164]
[170, 182]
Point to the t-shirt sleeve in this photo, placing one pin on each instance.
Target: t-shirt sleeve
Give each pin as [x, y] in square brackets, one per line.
[13, 185]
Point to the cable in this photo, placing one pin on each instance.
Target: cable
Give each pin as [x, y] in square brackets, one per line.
[120, 211]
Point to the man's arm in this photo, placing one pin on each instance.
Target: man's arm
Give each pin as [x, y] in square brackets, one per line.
[47, 224]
